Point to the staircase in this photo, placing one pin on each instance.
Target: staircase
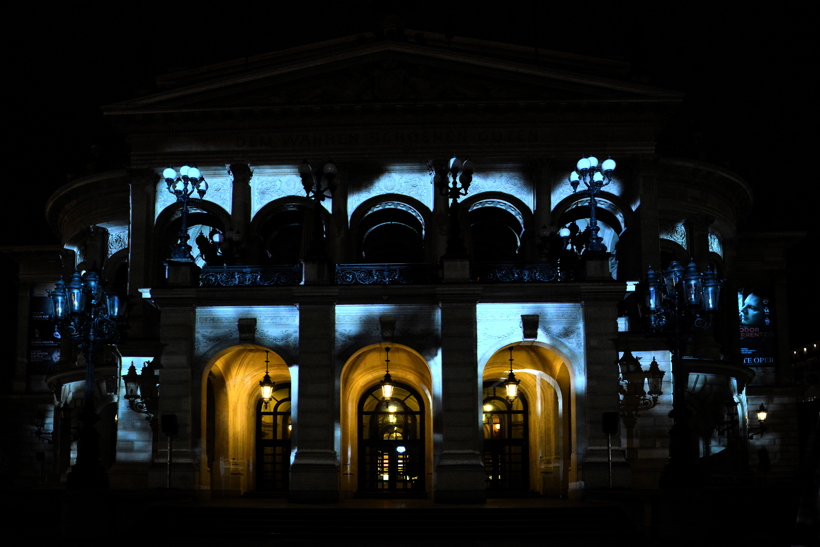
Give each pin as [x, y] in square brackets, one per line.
[434, 525]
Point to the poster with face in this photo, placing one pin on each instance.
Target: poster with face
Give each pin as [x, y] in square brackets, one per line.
[44, 338]
[757, 343]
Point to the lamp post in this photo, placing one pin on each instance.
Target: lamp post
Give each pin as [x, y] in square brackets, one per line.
[594, 177]
[141, 389]
[453, 183]
[94, 318]
[633, 382]
[318, 188]
[680, 303]
[183, 185]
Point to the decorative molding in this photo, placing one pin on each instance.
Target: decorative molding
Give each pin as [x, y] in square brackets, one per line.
[512, 183]
[416, 185]
[117, 240]
[276, 327]
[266, 188]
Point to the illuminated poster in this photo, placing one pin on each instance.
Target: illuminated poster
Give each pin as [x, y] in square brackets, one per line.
[757, 344]
[44, 339]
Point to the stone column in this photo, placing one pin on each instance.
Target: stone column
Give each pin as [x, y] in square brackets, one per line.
[142, 267]
[648, 215]
[600, 302]
[241, 206]
[177, 386]
[314, 474]
[459, 474]
[699, 239]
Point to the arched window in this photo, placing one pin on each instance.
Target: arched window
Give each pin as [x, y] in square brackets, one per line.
[392, 232]
[495, 231]
[391, 442]
[204, 234]
[506, 440]
[283, 236]
[273, 429]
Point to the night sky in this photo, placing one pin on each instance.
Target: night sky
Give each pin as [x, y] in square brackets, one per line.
[746, 75]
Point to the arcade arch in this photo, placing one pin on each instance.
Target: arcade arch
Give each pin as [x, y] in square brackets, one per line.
[548, 416]
[360, 381]
[230, 424]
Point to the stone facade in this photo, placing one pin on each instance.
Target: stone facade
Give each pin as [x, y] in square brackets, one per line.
[385, 111]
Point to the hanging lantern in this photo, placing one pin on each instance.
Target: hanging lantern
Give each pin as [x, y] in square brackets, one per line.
[511, 384]
[387, 382]
[762, 414]
[266, 384]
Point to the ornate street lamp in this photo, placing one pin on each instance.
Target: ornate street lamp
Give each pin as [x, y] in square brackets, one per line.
[511, 384]
[266, 384]
[141, 389]
[453, 183]
[680, 302]
[183, 185]
[633, 387]
[387, 382]
[594, 178]
[318, 188]
[94, 318]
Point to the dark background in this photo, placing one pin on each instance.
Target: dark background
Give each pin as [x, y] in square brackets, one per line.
[749, 105]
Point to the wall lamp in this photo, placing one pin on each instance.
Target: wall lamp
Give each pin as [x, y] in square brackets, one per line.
[762, 415]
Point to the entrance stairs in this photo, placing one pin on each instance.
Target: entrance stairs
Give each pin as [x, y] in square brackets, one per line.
[402, 522]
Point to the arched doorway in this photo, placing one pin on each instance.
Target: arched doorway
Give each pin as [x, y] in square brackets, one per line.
[403, 434]
[235, 430]
[506, 440]
[273, 432]
[534, 447]
[391, 441]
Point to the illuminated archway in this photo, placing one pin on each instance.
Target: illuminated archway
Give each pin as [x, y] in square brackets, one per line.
[230, 402]
[363, 371]
[547, 385]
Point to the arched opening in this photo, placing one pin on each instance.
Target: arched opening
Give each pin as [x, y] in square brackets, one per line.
[374, 437]
[540, 423]
[282, 235]
[495, 231]
[392, 232]
[205, 234]
[391, 441]
[233, 428]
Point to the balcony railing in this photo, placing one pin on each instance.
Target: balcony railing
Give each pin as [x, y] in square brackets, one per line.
[383, 274]
[250, 276]
[497, 272]
[386, 274]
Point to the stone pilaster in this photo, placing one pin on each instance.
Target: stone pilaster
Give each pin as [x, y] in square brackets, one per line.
[176, 398]
[314, 474]
[460, 464]
[601, 328]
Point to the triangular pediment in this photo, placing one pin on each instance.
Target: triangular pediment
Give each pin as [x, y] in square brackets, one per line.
[423, 70]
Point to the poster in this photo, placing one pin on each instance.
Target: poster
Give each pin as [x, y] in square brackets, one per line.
[757, 329]
[44, 338]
